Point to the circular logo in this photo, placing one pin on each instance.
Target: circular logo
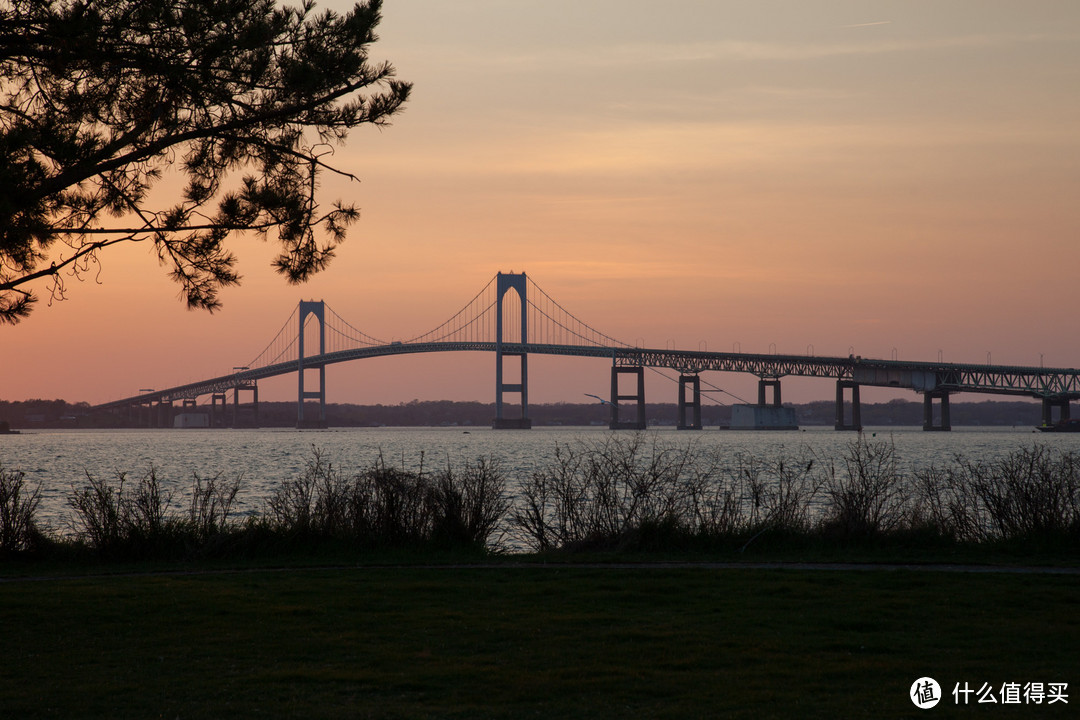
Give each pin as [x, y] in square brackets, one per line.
[925, 693]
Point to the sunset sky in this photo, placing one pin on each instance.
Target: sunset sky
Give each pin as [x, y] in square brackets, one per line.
[884, 178]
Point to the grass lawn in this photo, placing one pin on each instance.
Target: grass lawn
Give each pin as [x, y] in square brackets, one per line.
[549, 642]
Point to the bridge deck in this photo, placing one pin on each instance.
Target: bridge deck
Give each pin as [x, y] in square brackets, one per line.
[1053, 383]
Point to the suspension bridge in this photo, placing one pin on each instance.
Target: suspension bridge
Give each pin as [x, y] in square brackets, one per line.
[514, 318]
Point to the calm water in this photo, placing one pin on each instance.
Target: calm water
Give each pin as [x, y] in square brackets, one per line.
[58, 459]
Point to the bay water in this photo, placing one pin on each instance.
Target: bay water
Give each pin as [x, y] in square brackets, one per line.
[58, 460]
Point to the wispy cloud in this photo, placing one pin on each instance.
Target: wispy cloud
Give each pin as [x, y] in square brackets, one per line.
[622, 55]
[868, 24]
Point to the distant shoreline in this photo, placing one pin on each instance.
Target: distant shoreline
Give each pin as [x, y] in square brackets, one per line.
[43, 414]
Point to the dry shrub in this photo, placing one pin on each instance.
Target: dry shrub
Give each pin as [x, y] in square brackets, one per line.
[139, 520]
[599, 493]
[868, 494]
[1032, 493]
[388, 506]
[18, 504]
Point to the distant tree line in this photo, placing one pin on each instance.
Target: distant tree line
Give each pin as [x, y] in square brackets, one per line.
[42, 413]
[435, 413]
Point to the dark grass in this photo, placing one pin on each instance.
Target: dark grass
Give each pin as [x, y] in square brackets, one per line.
[248, 551]
[511, 642]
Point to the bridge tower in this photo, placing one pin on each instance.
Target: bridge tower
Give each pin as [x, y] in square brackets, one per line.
[318, 309]
[504, 283]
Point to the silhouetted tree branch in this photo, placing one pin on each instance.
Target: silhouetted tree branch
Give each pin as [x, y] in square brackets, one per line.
[99, 98]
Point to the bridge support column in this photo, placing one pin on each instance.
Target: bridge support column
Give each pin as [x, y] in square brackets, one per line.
[763, 385]
[253, 417]
[505, 282]
[217, 417]
[638, 398]
[928, 411]
[189, 408]
[318, 310]
[693, 383]
[148, 415]
[1048, 405]
[856, 412]
[162, 415]
[764, 415]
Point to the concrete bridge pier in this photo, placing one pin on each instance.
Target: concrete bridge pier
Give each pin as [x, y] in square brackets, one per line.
[639, 398]
[253, 417]
[692, 383]
[146, 414]
[945, 423]
[763, 385]
[217, 417]
[856, 412]
[162, 415]
[766, 414]
[1048, 405]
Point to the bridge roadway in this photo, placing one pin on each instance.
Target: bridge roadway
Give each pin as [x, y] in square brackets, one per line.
[1055, 386]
